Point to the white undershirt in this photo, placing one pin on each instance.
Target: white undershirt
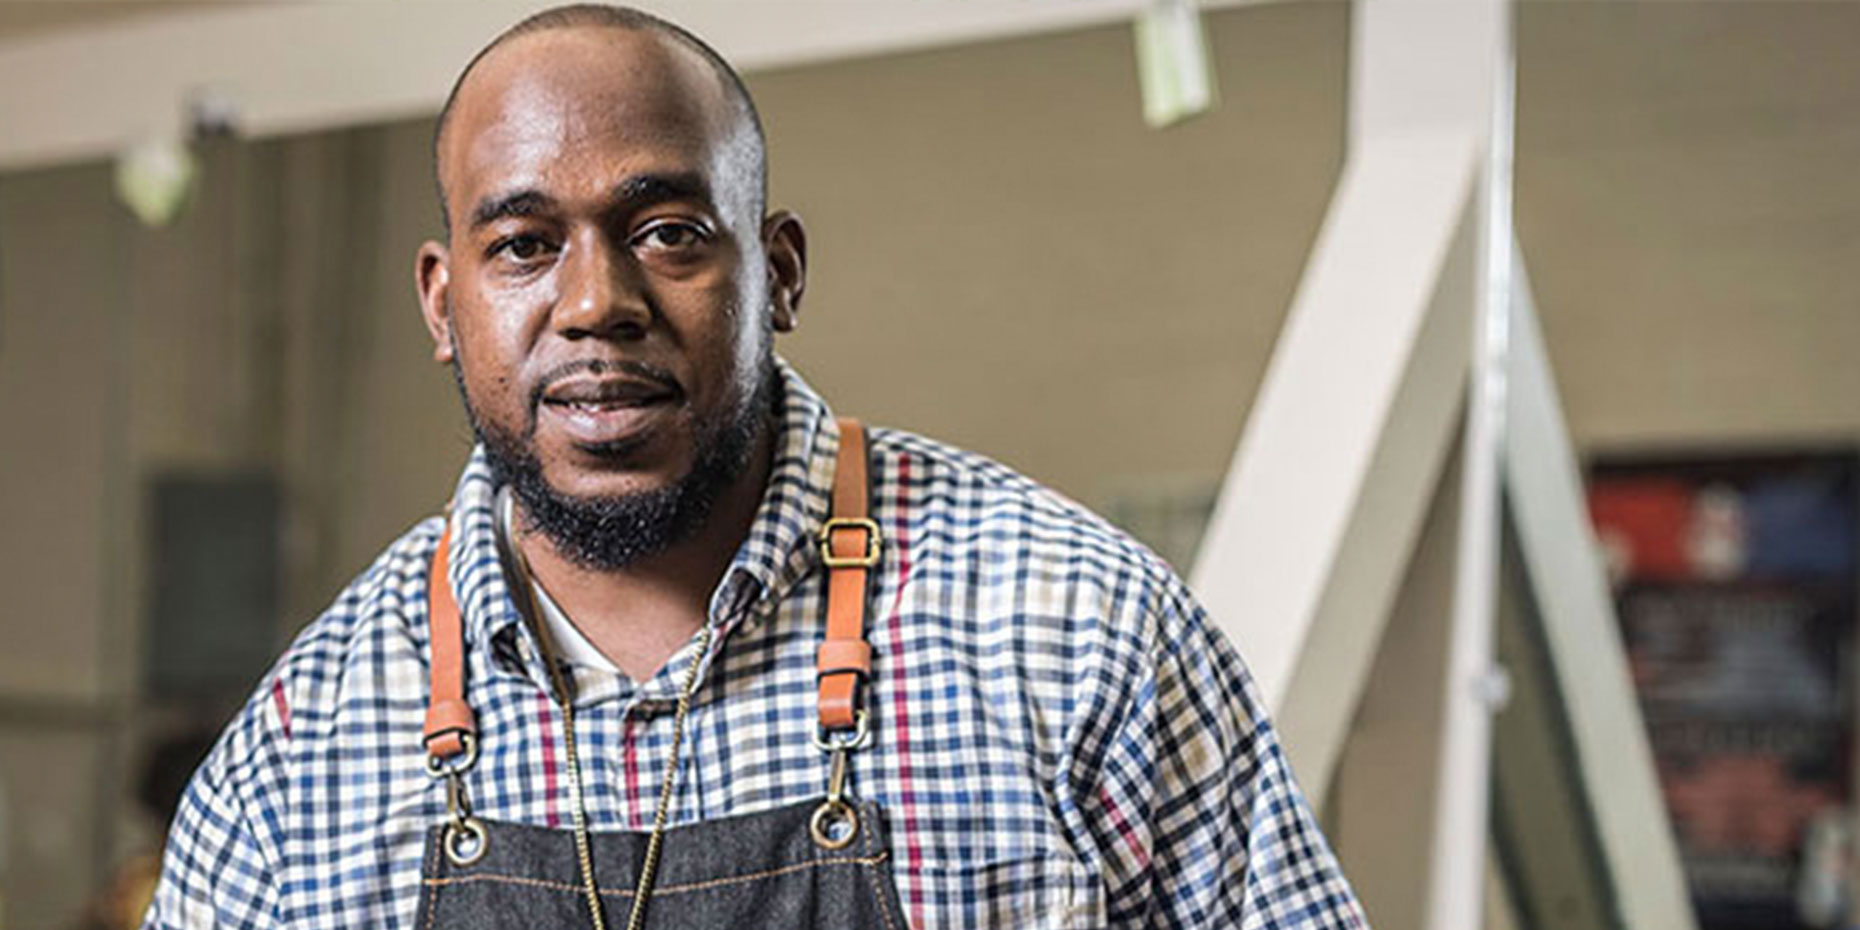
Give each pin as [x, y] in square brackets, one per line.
[575, 648]
[568, 639]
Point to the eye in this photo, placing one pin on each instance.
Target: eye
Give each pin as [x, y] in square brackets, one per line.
[522, 249]
[670, 236]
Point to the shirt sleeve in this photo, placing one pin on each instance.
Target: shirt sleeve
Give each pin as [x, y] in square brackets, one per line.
[1200, 819]
[216, 868]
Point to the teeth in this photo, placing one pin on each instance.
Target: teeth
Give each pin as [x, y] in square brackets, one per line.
[598, 405]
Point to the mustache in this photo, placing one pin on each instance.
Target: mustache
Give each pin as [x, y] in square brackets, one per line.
[640, 371]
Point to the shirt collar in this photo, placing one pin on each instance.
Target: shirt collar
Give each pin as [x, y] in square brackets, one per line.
[777, 551]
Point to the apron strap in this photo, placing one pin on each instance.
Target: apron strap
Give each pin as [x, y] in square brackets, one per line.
[849, 545]
[449, 720]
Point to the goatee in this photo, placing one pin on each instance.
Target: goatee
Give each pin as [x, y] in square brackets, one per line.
[611, 532]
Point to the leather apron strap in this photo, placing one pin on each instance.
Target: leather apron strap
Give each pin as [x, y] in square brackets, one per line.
[849, 545]
[450, 724]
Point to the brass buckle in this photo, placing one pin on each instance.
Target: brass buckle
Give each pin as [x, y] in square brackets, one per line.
[872, 544]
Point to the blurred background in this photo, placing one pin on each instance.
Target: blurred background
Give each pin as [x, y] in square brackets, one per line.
[210, 421]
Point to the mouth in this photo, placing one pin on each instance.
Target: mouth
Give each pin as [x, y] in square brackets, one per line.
[600, 411]
[598, 394]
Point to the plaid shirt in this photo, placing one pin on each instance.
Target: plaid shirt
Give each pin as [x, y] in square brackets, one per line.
[1061, 738]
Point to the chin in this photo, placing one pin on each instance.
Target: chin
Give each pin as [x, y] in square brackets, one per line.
[645, 461]
[609, 480]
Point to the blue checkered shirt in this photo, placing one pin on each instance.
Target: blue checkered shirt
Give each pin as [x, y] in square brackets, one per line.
[1062, 738]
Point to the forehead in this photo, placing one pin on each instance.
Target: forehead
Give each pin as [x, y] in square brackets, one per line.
[573, 111]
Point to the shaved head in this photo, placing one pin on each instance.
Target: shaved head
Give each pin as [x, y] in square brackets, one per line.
[594, 16]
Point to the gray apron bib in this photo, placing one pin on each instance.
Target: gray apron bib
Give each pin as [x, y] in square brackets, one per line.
[733, 873]
[819, 863]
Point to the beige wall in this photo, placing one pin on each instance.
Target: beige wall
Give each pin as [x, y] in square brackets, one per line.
[1033, 272]
[1002, 256]
[1688, 204]
[62, 388]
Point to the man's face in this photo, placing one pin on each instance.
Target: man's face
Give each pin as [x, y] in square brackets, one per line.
[609, 287]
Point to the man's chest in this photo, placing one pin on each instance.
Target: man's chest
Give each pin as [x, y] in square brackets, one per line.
[968, 760]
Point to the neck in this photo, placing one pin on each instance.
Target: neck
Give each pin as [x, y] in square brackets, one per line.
[640, 615]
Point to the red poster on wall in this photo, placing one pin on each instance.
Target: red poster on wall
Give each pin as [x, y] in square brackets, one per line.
[1735, 584]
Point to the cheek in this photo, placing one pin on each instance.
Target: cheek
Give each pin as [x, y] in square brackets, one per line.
[714, 321]
[752, 341]
[743, 337]
[490, 354]
[724, 352]
[748, 317]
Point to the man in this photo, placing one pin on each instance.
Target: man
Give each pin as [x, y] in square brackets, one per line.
[661, 664]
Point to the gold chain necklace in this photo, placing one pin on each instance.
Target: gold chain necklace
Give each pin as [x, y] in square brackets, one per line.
[668, 785]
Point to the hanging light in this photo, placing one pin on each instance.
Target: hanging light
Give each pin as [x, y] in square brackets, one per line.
[153, 176]
[1173, 64]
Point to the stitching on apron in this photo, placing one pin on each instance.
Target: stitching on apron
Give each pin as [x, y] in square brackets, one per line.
[871, 876]
[434, 883]
[432, 896]
[884, 908]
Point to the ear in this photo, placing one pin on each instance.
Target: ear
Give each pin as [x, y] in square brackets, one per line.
[431, 277]
[785, 242]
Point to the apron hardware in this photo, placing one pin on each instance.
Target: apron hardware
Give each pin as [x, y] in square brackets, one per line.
[466, 841]
[835, 824]
[439, 766]
[844, 662]
[873, 546]
[465, 837]
[843, 666]
[836, 776]
[831, 741]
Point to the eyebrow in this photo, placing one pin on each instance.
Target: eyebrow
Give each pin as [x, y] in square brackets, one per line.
[640, 190]
[646, 189]
[515, 204]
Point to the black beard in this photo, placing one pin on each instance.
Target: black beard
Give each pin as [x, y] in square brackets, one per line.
[610, 532]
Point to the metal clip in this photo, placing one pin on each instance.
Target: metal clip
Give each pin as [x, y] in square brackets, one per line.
[835, 823]
[466, 842]
[836, 777]
[836, 740]
[465, 839]
[458, 806]
[438, 766]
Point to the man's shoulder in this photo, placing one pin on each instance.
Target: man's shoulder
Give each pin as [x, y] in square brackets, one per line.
[375, 625]
[385, 597]
[975, 505]
[1022, 569]
[367, 649]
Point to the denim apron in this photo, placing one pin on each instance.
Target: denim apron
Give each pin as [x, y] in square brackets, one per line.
[818, 863]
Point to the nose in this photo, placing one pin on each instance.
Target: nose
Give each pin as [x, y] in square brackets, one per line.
[601, 294]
